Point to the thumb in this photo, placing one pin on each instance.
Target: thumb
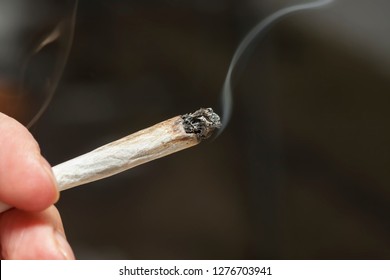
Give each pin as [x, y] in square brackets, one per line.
[26, 180]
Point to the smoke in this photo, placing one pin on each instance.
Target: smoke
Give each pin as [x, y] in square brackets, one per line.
[244, 46]
[36, 37]
[60, 39]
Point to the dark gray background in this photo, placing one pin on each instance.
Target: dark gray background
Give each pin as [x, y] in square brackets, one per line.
[302, 169]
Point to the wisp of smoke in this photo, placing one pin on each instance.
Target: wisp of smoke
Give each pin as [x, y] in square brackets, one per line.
[62, 35]
[227, 93]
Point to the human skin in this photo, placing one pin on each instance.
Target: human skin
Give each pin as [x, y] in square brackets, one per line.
[33, 228]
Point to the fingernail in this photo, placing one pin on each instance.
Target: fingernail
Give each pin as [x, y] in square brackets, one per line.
[63, 246]
[46, 165]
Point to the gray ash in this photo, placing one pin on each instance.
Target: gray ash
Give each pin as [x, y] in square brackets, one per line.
[202, 122]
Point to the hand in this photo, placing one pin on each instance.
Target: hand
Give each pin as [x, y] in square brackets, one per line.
[33, 229]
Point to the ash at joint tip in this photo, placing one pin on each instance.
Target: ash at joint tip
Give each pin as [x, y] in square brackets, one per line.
[202, 122]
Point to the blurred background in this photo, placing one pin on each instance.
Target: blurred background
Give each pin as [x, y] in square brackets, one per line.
[301, 170]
